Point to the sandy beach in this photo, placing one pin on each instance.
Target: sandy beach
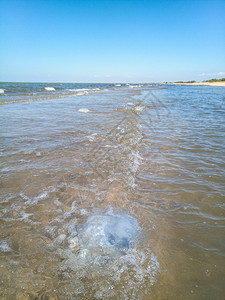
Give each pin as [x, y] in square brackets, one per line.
[219, 83]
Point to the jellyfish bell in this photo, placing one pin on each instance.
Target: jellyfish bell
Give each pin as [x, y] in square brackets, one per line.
[115, 232]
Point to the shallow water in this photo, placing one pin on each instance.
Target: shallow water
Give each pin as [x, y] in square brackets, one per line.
[115, 194]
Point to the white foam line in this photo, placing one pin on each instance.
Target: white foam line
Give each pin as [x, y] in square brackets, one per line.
[84, 110]
[48, 88]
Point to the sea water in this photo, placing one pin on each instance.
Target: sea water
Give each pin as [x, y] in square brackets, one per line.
[112, 191]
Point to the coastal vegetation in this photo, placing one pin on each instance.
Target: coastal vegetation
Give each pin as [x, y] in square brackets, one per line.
[192, 81]
[215, 80]
[205, 81]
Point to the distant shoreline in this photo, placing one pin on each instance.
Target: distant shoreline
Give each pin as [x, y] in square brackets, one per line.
[218, 83]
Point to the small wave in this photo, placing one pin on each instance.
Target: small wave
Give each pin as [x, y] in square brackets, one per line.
[2, 91]
[77, 90]
[139, 108]
[81, 94]
[46, 96]
[135, 86]
[47, 88]
[91, 138]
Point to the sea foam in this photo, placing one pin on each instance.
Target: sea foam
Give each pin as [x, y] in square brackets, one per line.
[84, 110]
[47, 88]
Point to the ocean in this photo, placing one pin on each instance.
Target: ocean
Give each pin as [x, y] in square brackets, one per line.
[112, 191]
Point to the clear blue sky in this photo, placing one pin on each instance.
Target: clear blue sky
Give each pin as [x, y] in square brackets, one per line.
[112, 41]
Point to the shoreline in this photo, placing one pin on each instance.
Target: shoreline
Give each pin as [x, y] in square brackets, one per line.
[219, 83]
